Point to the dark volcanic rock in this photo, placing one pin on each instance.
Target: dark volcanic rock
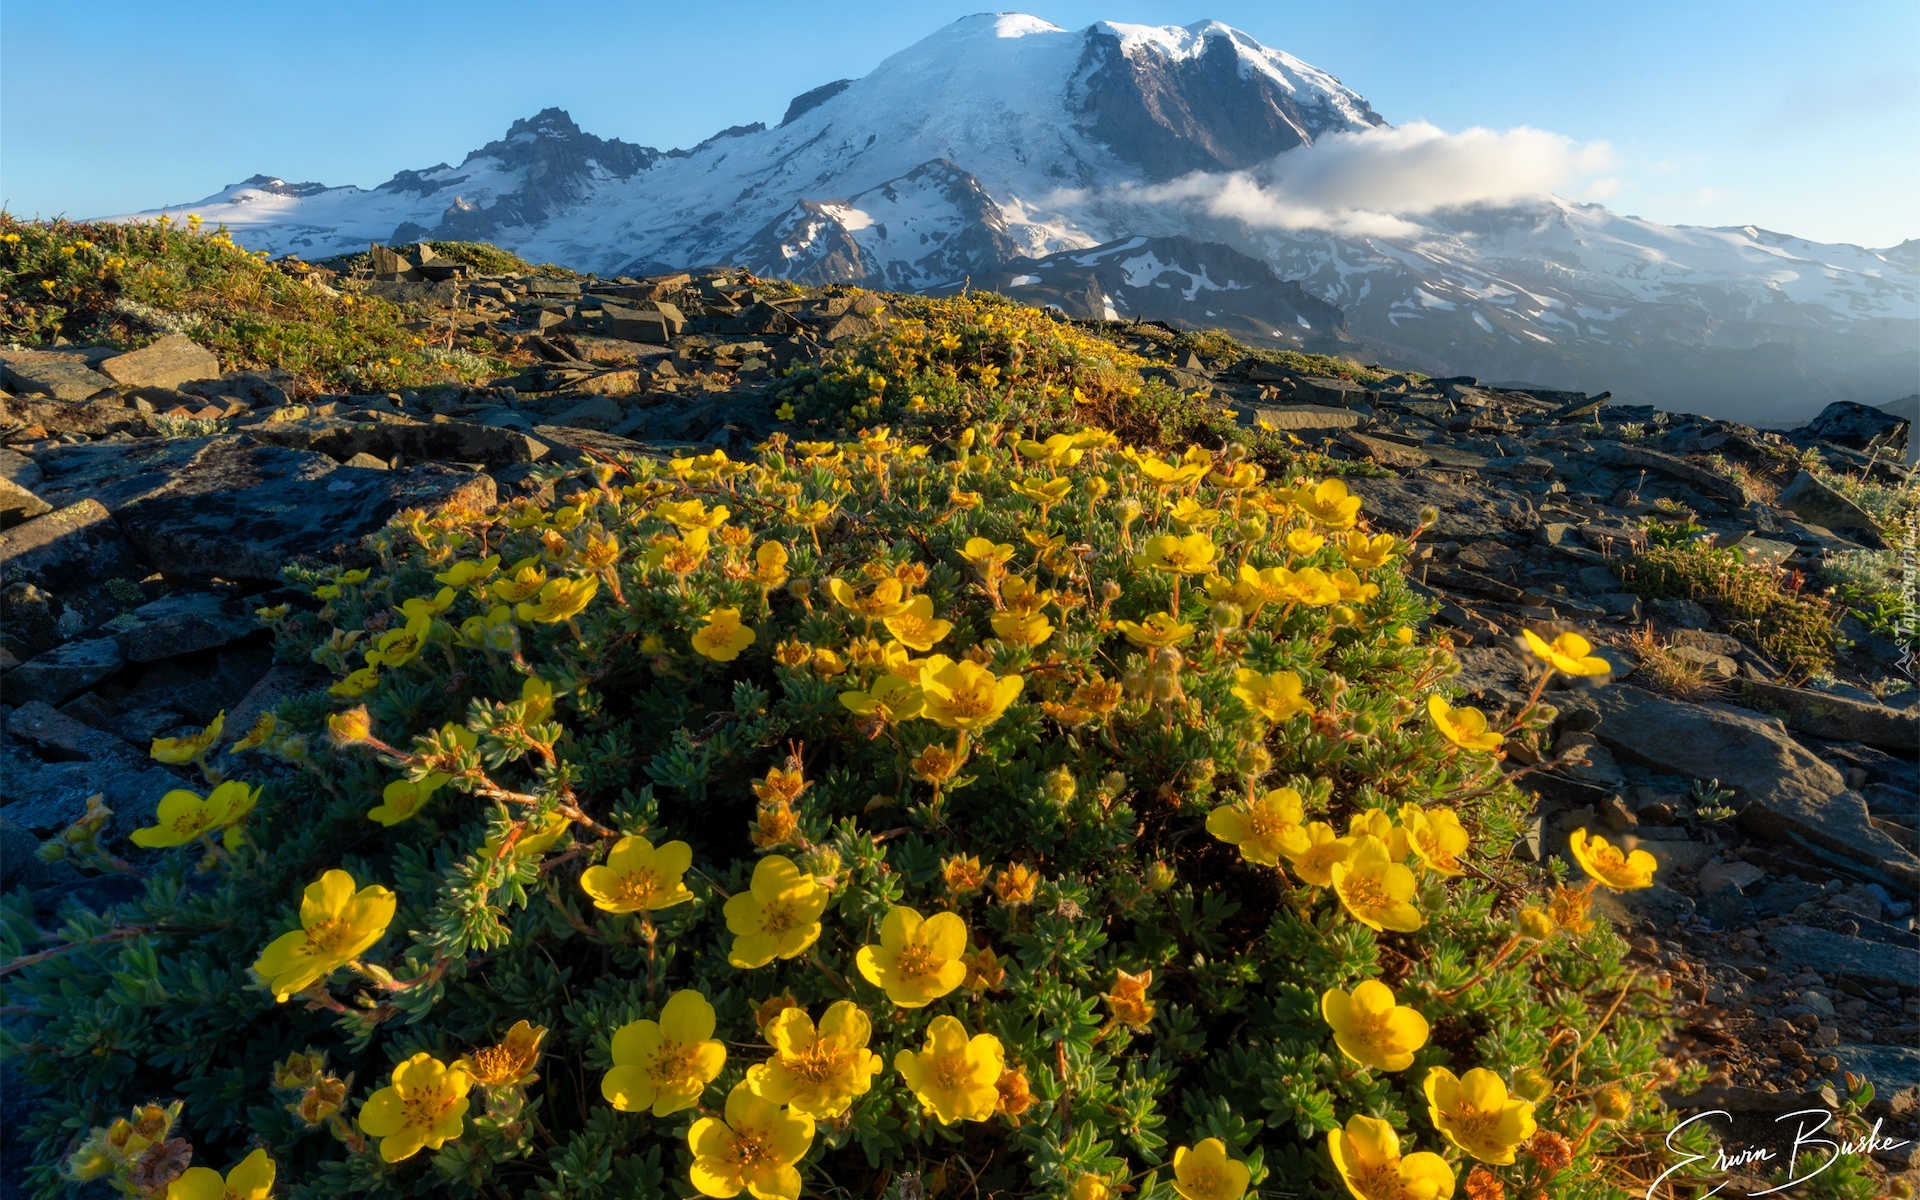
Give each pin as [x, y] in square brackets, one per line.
[234, 508]
[1847, 424]
[1787, 792]
[1202, 112]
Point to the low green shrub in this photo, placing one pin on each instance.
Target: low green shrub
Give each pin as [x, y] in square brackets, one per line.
[1767, 606]
[1030, 817]
[120, 284]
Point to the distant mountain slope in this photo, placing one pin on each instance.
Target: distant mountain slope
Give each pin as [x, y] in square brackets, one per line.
[1002, 139]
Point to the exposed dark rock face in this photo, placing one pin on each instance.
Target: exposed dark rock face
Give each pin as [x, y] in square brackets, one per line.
[807, 101]
[559, 159]
[1207, 112]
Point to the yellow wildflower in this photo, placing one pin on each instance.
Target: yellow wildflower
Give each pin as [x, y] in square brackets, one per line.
[398, 647]
[1274, 697]
[337, 924]
[723, 637]
[183, 816]
[560, 600]
[259, 735]
[402, 798]
[915, 626]
[423, 1108]
[777, 917]
[251, 1179]
[1375, 823]
[1324, 849]
[187, 749]
[1204, 1172]
[1464, 727]
[639, 878]
[1265, 830]
[692, 514]
[522, 582]
[770, 565]
[1158, 631]
[753, 1150]
[663, 1066]
[537, 838]
[1367, 1155]
[1304, 541]
[356, 684]
[1605, 862]
[469, 574]
[882, 601]
[1364, 553]
[890, 698]
[1437, 836]
[1327, 504]
[431, 606]
[510, 1061]
[1569, 653]
[965, 695]
[954, 1077]
[1475, 1113]
[1089, 1187]
[1193, 554]
[1371, 1029]
[987, 557]
[817, 1071]
[918, 959]
[1375, 890]
[1022, 629]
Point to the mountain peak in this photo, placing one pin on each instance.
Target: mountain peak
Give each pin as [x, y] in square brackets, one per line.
[547, 123]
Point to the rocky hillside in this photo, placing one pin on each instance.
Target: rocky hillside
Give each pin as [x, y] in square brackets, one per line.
[1758, 736]
[1002, 137]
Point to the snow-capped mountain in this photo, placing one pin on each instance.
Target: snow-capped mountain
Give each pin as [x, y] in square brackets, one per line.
[1002, 140]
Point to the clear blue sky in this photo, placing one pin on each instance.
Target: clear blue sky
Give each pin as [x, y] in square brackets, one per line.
[1799, 117]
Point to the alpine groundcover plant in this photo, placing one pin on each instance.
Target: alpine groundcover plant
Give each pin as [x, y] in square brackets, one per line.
[1012, 814]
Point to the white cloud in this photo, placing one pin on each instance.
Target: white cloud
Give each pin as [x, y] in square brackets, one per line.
[1369, 183]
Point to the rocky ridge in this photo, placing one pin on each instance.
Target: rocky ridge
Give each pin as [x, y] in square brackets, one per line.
[150, 498]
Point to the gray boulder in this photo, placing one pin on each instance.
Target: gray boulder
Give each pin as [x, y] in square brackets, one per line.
[173, 360]
[1787, 792]
[1817, 504]
[241, 510]
[1847, 424]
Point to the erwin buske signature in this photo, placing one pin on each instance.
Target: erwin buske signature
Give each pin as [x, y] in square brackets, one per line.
[1807, 1142]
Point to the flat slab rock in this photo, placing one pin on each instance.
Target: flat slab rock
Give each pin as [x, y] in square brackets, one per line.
[1465, 513]
[242, 510]
[169, 362]
[183, 623]
[235, 508]
[1785, 790]
[1832, 953]
[1836, 718]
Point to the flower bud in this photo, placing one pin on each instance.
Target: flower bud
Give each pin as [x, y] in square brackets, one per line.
[1535, 924]
[799, 588]
[1109, 591]
[1160, 876]
[1532, 1084]
[1254, 760]
[1613, 1103]
[1366, 724]
[320, 1101]
[1428, 516]
[1060, 786]
[353, 725]
[298, 1070]
[1225, 617]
